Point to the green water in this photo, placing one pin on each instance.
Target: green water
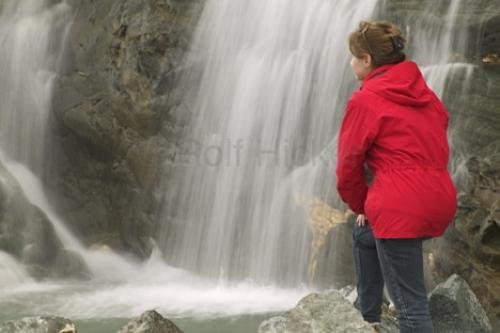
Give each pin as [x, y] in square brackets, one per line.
[236, 324]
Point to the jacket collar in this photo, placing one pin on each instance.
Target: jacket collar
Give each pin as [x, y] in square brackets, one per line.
[377, 71]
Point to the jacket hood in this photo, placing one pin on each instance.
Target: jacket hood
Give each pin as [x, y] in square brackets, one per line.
[402, 83]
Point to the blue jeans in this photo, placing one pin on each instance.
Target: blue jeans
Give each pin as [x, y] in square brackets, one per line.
[398, 262]
[370, 283]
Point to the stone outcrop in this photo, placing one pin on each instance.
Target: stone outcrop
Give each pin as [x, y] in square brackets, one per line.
[389, 323]
[455, 308]
[45, 324]
[150, 322]
[111, 115]
[27, 234]
[328, 312]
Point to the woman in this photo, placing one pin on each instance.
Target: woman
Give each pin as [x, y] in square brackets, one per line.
[397, 125]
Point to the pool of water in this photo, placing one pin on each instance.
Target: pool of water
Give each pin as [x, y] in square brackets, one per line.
[115, 296]
[240, 324]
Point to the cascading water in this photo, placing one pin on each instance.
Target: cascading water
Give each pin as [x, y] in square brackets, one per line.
[11, 272]
[32, 36]
[274, 78]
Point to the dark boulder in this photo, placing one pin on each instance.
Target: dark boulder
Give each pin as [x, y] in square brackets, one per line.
[150, 322]
[455, 308]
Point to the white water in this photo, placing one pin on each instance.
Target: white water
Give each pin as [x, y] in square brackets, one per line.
[103, 264]
[119, 287]
[124, 288]
[32, 37]
[273, 77]
[32, 34]
[33, 189]
[11, 272]
[151, 285]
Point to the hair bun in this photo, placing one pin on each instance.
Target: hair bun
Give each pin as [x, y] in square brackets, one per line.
[381, 40]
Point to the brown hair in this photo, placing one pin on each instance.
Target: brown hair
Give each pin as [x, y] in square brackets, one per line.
[382, 40]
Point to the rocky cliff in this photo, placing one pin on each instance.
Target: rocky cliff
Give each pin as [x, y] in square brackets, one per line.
[112, 115]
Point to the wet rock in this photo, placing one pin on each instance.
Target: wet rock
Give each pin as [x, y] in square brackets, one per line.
[455, 308]
[328, 312]
[273, 325]
[150, 322]
[389, 323]
[471, 245]
[46, 324]
[70, 265]
[113, 98]
[490, 43]
[350, 293]
[27, 234]
[338, 257]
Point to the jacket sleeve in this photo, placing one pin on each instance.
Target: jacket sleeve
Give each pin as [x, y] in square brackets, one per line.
[358, 131]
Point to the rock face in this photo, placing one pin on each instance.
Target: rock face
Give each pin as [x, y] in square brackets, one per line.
[39, 325]
[150, 322]
[455, 308]
[471, 246]
[318, 313]
[27, 234]
[111, 115]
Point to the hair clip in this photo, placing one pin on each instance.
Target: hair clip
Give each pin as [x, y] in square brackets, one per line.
[397, 44]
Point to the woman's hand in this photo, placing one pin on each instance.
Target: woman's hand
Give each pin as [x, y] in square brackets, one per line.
[361, 220]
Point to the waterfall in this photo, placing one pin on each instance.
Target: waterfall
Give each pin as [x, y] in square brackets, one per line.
[32, 39]
[272, 80]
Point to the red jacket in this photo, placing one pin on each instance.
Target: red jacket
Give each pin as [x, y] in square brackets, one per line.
[396, 124]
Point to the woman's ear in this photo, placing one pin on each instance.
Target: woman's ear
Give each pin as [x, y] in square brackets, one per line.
[367, 60]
